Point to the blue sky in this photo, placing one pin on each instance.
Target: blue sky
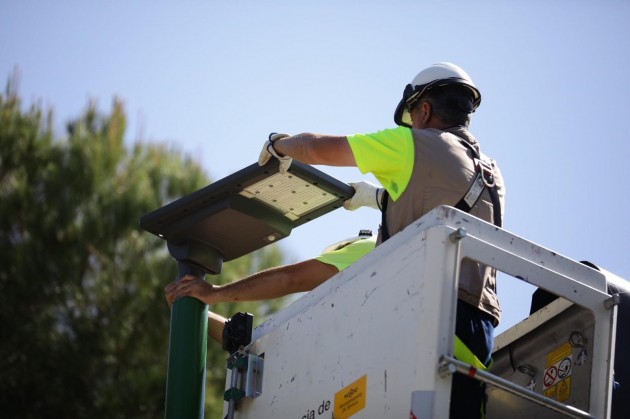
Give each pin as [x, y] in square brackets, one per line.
[214, 78]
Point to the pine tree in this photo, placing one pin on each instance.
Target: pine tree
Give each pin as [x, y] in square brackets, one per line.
[84, 319]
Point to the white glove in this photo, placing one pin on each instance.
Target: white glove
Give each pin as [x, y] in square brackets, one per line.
[366, 195]
[268, 151]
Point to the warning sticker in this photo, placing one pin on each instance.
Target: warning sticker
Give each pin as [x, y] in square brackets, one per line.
[557, 375]
[564, 389]
[557, 355]
[550, 392]
[350, 399]
[564, 368]
[550, 377]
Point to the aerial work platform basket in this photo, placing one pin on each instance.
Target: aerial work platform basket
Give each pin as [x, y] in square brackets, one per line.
[376, 340]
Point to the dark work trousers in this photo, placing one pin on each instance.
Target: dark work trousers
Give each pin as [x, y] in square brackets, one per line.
[476, 329]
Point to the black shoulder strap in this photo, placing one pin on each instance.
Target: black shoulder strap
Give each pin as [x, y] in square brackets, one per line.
[384, 229]
[496, 206]
[470, 199]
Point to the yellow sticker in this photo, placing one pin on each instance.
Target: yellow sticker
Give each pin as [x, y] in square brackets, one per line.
[550, 392]
[558, 354]
[558, 365]
[350, 399]
[564, 389]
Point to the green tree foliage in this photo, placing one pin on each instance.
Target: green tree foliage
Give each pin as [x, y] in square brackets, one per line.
[84, 320]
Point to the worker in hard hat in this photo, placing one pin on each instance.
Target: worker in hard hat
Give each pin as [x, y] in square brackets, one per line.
[430, 159]
[275, 282]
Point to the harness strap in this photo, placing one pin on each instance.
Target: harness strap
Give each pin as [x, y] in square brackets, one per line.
[484, 179]
[496, 206]
[384, 229]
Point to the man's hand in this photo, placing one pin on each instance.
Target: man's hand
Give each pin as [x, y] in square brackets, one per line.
[189, 286]
[366, 195]
[268, 151]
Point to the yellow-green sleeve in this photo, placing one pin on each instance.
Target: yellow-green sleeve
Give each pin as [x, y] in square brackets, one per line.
[388, 155]
[346, 256]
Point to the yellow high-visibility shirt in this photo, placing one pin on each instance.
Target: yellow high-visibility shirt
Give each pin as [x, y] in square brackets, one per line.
[388, 155]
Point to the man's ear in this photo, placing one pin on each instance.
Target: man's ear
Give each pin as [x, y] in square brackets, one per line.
[427, 111]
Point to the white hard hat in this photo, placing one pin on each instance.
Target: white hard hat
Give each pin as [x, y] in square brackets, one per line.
[363, 234]
[439, 74]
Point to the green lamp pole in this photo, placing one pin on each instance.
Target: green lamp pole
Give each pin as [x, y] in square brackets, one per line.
[186, 374]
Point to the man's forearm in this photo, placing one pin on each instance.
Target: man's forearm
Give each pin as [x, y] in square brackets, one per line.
[272, 283]
[263, 285]
[330, 150]
[275, 282]
[216, 323]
